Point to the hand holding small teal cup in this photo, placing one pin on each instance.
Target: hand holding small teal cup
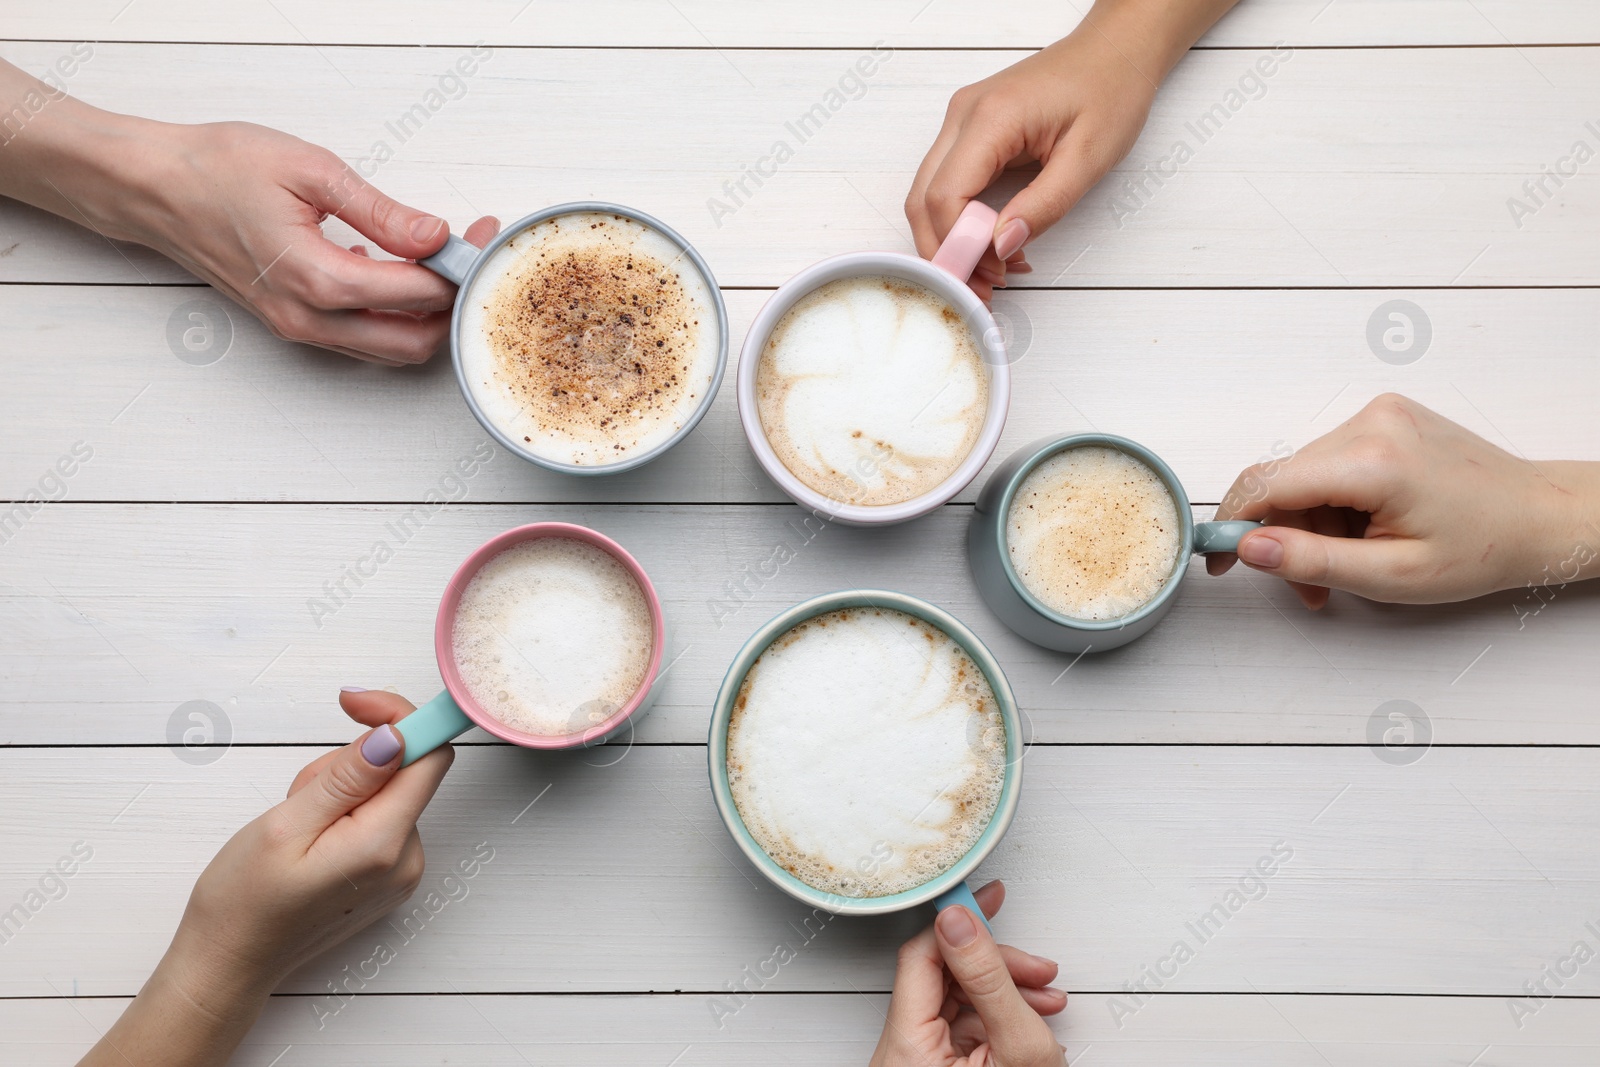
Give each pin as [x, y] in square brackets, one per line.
[989, 554]
[455, 711]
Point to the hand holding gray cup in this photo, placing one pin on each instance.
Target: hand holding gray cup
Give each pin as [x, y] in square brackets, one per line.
[1080, 543]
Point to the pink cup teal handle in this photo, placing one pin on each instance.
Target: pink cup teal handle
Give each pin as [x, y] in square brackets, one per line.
[961, 894]
[967, 240]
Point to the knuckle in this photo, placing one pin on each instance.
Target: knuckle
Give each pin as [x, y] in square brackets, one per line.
[289, 322]
[963, 100]
[341, 781]
[987, 981]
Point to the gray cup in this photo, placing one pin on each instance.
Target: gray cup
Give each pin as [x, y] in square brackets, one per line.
[460, 261]
[1023, 612]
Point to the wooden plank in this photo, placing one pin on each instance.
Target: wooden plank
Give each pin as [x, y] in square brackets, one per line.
[826, 23]
[1349, 167]
[1213, 381]
[114, 617]
[648, 1031]
[1457, 874]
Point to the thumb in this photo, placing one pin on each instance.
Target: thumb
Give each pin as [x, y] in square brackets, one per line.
[1016, 1033]
[1067, 175]
[1369, 567]
[353, 776]
[397, 229]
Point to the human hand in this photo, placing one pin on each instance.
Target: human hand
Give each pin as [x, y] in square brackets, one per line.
[242, 206]
[955, 964]
[1400, 504]
[1075, 107]
[340, 851]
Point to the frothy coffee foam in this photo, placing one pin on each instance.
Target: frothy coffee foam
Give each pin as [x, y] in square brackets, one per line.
[553, 636]
[872, 390]
[1093, 533]
[589, 338]
[866, 752]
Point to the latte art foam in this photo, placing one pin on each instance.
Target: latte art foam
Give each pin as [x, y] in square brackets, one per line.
[1093, 533]
[872, 390]
[589, 339]
[866, 752]
[553, 636]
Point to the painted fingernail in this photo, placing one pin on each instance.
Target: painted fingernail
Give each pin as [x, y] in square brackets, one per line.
[1259, 550]
[352, 689]
[957, 926]
[1012, 236]
[382, 745]
[425, 227]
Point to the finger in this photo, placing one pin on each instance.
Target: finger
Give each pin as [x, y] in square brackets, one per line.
[360, 250]
[1015, 1030]
[353, 775]
[397, 229]
[481, 231]
[394, 811]
[991, 898]
[919, 984]
[1046, 1000]
[978, 156]
[1027, 969]
[1370, 567]
[374, 707]
[922, 229]
[392, 336]
[1069, 172]
[326, 276]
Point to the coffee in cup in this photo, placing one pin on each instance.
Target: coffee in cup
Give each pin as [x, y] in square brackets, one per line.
[1093, 533]
[552, 636]
[872, 389]
[588, 337]
[866, 751]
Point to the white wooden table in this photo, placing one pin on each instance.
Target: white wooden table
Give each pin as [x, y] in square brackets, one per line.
[1224, 317]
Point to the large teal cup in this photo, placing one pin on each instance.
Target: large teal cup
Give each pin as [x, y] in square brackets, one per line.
[951, 886]
[1023, 612]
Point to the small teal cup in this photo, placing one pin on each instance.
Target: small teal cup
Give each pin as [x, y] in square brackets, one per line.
[1002, 589]
[951, 886]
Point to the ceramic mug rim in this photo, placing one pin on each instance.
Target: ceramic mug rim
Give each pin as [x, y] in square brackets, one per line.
[1040, 451]
[444, 623]
[978, 319]
[717, 747]
[577, 207]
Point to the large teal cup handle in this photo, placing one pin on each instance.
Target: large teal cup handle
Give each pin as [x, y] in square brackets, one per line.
[454, 259]
[961, 894]
[431, 725]
[1221, 536]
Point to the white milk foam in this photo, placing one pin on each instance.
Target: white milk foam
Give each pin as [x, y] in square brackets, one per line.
[866, 752]
[589, 338]
[872, 390]
[553, 636]
[1093, 533]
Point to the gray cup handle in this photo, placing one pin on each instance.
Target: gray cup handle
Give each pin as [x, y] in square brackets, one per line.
[453, 260]
[1223, 536]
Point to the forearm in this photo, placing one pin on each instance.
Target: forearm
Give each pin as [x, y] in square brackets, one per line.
[1153, 34]
[68, 157]
[181, 1018]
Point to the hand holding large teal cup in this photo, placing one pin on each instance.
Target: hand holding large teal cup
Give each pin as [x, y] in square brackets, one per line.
[950, 885]
[1021, 610]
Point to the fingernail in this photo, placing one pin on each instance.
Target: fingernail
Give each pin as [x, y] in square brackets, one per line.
[382, 745]
[1012, 236]
[1022, 267]
[994, 278]
[957, 926]
[352, 689]
[1259, 550]
[1047, 961]
[425, 227]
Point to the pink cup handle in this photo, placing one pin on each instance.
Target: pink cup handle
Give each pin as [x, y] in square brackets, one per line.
[968, 240]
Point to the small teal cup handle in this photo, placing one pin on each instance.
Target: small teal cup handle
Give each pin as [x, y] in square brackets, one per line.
[1221, 536]
[454, 260]
[431, 725]
[961, 894]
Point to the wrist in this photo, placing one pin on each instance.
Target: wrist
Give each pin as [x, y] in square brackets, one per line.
[1564, 510]
[1153, 35]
